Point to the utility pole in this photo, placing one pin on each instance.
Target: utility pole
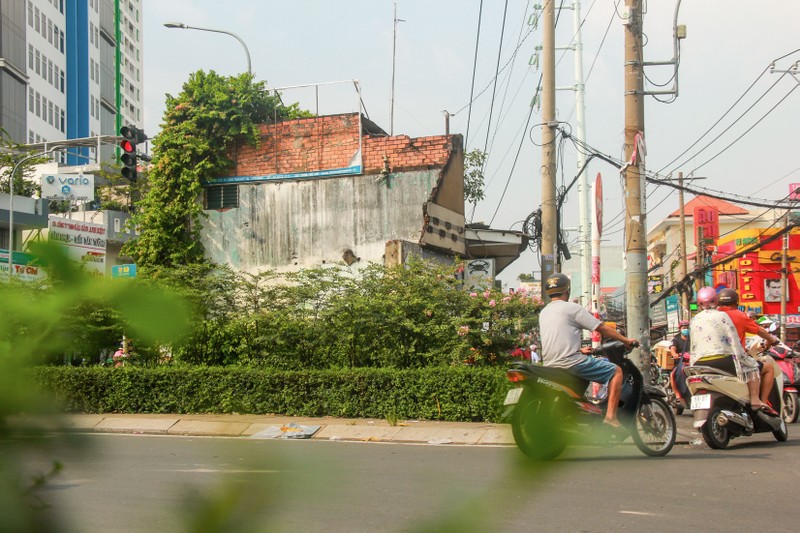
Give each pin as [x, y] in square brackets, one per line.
[584, 225]
[548, 169]
[583, 181]
[637, 304]
[784, 279]
[394, 49]
[684, 262]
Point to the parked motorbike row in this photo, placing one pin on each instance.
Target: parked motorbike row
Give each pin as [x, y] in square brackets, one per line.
[551, 408]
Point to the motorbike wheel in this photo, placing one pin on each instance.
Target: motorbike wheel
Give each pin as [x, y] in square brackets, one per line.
[535, 424]
[714, 434]
[655, 430]
[781, 434]
[790, 406]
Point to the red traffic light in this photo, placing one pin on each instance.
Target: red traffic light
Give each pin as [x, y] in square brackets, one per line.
[127, 146]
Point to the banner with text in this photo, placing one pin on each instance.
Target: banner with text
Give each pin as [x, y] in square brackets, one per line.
[85, 242]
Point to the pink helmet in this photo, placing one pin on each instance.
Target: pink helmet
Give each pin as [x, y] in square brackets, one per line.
[707, 298]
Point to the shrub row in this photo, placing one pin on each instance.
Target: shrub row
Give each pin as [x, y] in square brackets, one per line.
[433, 393]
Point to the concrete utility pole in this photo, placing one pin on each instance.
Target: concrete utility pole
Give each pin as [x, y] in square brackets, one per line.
[584, 224]
[548, 169]
[684, 262]
[637, 304]
[583, 181]
[394, 55]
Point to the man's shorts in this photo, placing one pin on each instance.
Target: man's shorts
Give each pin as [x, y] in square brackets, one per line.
[594, 369]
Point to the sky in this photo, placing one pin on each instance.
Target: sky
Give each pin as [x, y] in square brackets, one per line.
[724, 71]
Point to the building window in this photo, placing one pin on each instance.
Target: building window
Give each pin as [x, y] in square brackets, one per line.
[38, 105]
[30, 13]
[30, 100]
[222, 196]
[61, 80]
[38, 62]
[63, 121]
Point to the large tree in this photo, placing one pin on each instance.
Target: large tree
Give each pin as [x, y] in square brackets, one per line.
[198, 129]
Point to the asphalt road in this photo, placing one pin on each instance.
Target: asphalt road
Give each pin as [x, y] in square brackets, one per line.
[139, 483]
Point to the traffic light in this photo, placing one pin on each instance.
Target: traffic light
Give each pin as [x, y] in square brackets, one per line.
[131, 136]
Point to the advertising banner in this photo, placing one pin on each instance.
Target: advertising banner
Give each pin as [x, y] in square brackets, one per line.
[24, 267]
[85, 242]
[71, 187]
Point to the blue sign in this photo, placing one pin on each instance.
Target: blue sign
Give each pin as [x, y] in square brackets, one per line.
[123, 271]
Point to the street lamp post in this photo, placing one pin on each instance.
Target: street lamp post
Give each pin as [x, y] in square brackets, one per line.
[183, 26]
[11, 207]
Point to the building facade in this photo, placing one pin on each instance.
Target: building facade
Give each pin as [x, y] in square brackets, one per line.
[84, 69]
[337, 188]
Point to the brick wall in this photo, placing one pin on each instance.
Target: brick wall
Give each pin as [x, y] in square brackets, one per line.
[329, 142]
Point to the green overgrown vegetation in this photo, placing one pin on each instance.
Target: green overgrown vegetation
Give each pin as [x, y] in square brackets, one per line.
[200, 126]
[436, 393]
[413, 316]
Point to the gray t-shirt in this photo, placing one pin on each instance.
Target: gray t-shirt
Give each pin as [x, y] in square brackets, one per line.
[561, 324]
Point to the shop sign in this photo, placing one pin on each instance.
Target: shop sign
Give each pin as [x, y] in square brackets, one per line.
[69, 187]
[707, 218]
[84, 242]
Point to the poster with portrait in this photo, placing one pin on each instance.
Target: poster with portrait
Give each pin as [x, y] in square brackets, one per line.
[772, 290]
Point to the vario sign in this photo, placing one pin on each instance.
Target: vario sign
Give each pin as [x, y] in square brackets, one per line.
[70, 187]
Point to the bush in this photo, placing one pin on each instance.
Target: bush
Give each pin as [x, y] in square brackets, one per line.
[437, 393]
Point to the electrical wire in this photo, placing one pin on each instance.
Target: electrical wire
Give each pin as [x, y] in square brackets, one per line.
[494, 88]
[474, 69]
[725, 114]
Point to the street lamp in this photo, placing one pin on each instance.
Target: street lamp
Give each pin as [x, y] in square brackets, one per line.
[11, 206]
[183, 26]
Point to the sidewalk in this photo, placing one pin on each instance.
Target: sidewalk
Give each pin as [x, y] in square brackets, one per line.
[327, 428]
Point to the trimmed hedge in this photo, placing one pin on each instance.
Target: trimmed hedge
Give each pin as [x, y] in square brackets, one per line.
[466, 394]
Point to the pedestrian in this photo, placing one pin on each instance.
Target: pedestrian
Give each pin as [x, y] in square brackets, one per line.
[535, 354]
[681, 345]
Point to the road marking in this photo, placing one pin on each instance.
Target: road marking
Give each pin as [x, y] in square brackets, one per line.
[638, 513]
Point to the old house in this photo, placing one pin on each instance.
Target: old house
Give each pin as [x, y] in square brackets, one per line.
[338, 188]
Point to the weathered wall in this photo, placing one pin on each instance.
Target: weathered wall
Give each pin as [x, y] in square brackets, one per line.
[312, 222]
[292, 223]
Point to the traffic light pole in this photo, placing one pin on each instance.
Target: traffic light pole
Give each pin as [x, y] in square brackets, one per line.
[637, 303]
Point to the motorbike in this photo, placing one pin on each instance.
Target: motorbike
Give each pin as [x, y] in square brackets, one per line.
[721, 406]
[678, 394]
[786, 360]
[550, 408]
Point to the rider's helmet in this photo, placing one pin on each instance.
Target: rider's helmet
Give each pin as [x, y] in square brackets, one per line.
[558, 283]
[707, 298]
[728, 297]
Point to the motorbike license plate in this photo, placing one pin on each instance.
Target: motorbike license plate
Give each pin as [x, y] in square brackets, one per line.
[701, 401]
[513, 396]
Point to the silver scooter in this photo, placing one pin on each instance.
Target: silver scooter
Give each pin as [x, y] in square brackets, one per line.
[721, 406]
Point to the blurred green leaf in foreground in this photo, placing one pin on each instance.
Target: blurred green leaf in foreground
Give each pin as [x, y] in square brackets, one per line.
[40, 321]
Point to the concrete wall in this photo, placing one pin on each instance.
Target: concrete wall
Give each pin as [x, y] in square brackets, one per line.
[290, 223]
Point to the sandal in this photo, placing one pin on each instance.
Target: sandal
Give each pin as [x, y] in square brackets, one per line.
[766, 409]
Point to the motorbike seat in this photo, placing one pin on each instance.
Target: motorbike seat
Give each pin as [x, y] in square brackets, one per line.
[700, 369]
[576, 384]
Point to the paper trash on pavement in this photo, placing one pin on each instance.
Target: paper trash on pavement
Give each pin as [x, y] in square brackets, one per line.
[286, 431]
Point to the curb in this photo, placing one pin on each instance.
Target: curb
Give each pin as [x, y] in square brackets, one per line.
[251, 426]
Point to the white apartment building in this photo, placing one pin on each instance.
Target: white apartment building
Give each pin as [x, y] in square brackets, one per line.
[84, 67]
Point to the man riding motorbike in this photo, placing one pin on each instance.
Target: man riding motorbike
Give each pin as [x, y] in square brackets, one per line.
[561, 323]
[715, 343]
[728, 303]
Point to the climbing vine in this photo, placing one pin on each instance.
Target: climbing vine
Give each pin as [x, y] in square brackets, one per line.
[199, 127]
